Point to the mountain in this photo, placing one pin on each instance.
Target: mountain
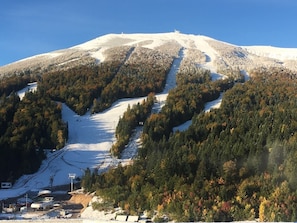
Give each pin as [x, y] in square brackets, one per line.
[122, 99]
[197, 49]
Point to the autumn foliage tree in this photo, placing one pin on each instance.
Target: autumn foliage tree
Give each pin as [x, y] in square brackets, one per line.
[233, 163]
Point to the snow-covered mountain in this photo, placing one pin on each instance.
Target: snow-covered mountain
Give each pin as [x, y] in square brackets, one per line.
[197, 48]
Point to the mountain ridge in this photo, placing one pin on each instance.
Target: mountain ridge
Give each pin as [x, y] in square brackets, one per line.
[221, 54]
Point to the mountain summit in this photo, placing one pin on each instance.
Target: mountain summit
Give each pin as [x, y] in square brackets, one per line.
[198, 49]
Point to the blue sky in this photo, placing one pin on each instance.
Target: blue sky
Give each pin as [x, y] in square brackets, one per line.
[30, 27]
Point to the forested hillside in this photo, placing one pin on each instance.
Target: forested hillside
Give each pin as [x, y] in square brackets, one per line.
[129, 73]
[233, 163]
[34, 124]
[28, 128]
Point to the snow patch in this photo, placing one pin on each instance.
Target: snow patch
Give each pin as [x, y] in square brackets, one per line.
[183, 127]
[213, 104]
[30, 87]
[246, 75]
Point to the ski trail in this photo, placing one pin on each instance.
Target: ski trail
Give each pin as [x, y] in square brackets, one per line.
[131, 149]
[171, 77]
[170, 82]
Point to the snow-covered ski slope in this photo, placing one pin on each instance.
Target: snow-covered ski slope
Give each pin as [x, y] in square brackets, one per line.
[90, 140]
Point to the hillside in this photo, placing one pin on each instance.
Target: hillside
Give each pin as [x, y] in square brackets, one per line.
[126, 99]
